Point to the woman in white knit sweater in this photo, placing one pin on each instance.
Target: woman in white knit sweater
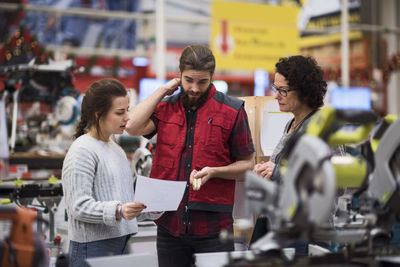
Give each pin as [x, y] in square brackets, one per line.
[96, 177]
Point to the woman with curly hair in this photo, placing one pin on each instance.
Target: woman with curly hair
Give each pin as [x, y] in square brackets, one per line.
[299, 88]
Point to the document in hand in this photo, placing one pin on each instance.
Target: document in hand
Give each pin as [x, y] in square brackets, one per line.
[158, 195]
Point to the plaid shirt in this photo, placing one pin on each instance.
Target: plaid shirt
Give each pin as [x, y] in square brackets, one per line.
[196, 222]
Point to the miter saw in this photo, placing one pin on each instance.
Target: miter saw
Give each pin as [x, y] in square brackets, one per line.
[381, 193]
[40, 83]
[301, 207]
[142, 161]
[67, 110]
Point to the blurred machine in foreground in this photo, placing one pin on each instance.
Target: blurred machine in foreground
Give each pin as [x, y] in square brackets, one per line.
[23, 247]
[303, 207]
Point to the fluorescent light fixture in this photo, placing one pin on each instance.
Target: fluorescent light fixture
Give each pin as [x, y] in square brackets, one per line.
[140, 61]
[221, 86]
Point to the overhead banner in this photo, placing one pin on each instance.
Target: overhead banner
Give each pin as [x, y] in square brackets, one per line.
[320, 15]
[247, 36]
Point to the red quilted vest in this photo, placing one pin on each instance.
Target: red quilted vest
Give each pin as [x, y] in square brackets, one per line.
[214, 123]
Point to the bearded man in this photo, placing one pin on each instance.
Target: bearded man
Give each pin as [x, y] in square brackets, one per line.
[203, 137]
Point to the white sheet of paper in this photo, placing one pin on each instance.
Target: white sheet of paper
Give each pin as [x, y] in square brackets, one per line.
[273, 125]
[158, 195]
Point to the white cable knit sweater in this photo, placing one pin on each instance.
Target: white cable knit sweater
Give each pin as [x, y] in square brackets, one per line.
[96, 177]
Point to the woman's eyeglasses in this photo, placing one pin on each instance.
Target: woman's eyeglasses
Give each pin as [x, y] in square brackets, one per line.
[281, 91]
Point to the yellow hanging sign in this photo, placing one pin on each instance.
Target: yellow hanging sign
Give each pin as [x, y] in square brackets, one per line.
[247, 36]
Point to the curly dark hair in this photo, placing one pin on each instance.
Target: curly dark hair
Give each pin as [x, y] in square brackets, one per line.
[306, 77]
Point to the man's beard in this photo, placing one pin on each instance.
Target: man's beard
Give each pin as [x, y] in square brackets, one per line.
[194, 103]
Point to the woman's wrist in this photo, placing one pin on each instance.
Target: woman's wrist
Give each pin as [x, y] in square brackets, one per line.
[121, 215]
[118, 213]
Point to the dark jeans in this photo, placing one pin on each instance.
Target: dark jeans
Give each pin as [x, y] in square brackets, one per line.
[79, 252]
[301, 248]
[179, 251]
[260, 229]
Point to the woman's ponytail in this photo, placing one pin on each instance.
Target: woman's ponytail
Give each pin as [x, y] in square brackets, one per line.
[83, 123]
